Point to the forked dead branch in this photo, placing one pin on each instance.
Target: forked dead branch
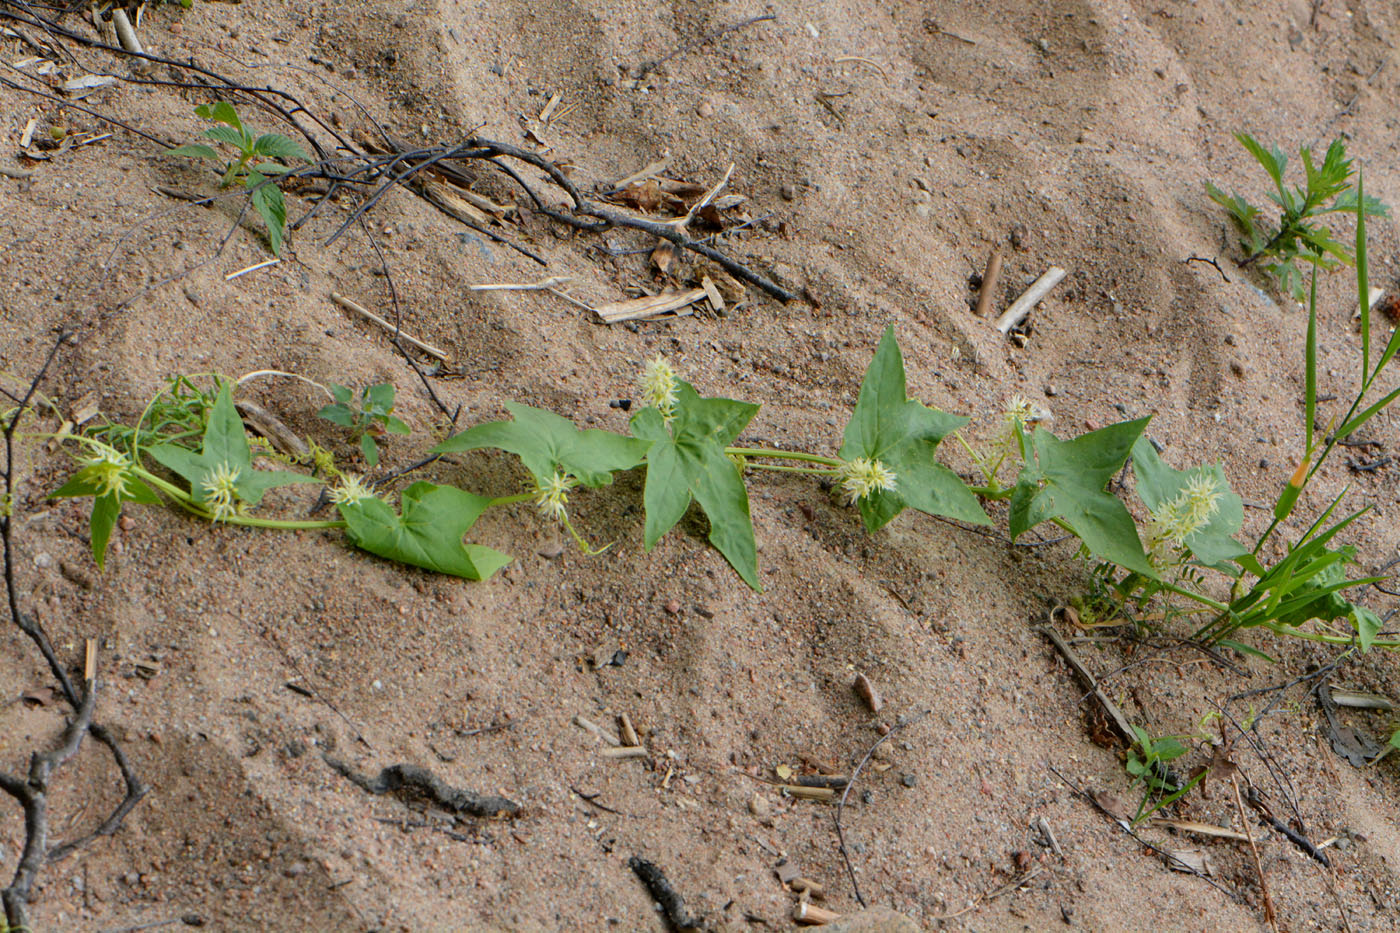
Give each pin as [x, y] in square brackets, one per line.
[32, 790]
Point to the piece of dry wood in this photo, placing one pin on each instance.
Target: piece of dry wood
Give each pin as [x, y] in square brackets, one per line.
[450, 201]
[655, 168]
[629, 734]
[1254, 850]
[542, 285]
[989, 282]
[27, 136]
[624, 751]
[393, 331]
[1200, 829]
[811, 915]
[1115, 715]
[274, 429]
[712, 292]
[650, 306]
[1021, 307]
[1043, 825]
[253, 268]
[808, 793]
[598, 731]
[867, 692]
[125, 34]
[16, 173]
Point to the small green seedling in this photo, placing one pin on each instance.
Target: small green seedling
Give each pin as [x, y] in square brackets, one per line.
[229, 130]
[1149, 764]
[370, 417]
[1297, 236]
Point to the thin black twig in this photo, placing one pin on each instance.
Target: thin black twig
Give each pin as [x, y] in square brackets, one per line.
[841, 805]
[1172, 860]
[32, 793]
[1209, 262]
[647, 68]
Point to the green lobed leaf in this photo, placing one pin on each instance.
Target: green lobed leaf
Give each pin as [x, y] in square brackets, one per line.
[688, 460]
[903, 434]
[1158, 484]
[267, 199]
[547, 444]
[428, 533]
[225, 444]
[339, 413]
[1065, 480]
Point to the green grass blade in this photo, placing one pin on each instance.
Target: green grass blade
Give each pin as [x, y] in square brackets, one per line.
[1346, 429]
[1363, 289]
[1310, 369]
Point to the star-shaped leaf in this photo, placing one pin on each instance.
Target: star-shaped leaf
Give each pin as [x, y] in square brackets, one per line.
[1065, 480]
[1159, 484]
[548, 444]
[903, 434]
[688, 460]
[428, 533]
[225, 446]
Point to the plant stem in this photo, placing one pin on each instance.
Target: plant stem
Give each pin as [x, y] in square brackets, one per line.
[785, 455]
[780, 468]
[511, 500]
[996, 492]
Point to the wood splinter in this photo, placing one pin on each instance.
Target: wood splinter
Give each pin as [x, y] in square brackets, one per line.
[394, 332]
[624, 751]
[1021, 308]
[811, 915]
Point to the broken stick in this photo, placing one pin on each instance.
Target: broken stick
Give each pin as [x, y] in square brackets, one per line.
[394, 332]
[1115, 715]
[1021, 308]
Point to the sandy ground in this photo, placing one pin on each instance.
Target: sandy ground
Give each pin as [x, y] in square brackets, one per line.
[884, 148]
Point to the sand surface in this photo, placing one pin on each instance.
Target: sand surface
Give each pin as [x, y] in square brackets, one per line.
[885, 149]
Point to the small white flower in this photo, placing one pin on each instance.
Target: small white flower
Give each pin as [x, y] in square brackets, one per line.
[552, 497]
[351, 491]
[659, 388]
[221, 492]
[862, 477]
[109, 470]
[1175, 521]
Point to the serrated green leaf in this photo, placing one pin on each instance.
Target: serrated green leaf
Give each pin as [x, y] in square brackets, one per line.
[1273, 160]
[688, 460]
[428, 533]
[277, 146]
[1065, 480]
[903, 434]
[226, 134]
[221, 112]
[267, 199]
[195, 151]
[1158, 484]
[548, 444]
